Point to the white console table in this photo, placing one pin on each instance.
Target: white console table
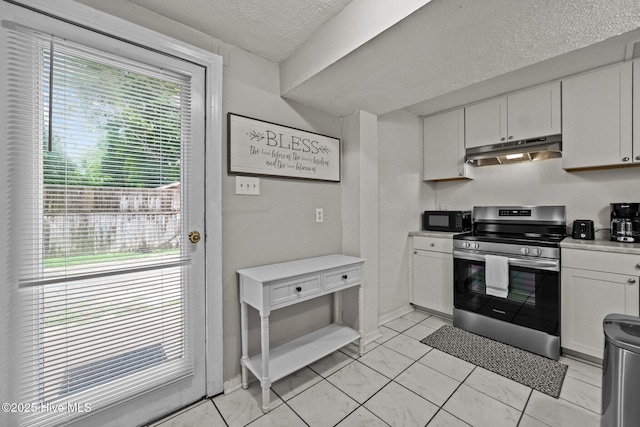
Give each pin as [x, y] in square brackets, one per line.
[274, 286]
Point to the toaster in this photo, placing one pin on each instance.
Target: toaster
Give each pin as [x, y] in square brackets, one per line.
[583, 229]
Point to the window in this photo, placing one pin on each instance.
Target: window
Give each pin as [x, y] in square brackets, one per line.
[99, 188]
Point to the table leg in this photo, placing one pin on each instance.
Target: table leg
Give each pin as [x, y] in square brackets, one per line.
[265, 381]
[337, 308]
[244, 333]
[361, 319]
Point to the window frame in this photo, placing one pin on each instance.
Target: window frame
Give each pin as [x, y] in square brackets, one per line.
[104, 24]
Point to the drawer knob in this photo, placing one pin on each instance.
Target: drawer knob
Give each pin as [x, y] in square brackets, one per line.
[432, 244]
[638, 266]
[298, 288]
[344, 277]
[631, 281]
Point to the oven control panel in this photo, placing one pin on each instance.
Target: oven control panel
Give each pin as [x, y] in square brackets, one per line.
[507, 249]
[514, 212]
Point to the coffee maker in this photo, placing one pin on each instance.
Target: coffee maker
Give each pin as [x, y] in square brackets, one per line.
[625, 222]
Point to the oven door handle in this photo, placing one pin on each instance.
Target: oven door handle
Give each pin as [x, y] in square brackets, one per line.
[540, 264]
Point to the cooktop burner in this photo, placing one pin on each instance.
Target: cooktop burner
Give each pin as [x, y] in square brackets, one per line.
[542, 226]
[547, 241]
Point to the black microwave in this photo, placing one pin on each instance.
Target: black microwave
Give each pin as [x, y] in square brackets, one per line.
[446, 220]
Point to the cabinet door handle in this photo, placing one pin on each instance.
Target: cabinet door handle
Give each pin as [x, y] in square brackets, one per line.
[637, 157]
[503, 139]
[631, 281]
[510, 136]
[625, 159]
[415, 252]
[298, 288]
[345, 277]
[638, 266]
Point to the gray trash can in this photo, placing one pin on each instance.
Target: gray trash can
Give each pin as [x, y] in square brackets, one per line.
[621, 371]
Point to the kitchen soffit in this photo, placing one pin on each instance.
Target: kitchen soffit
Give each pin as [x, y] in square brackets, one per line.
[438, 55]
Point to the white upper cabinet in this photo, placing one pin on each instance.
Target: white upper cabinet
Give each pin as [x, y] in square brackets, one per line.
[597, 118]
[486, 123]
[444, 155]
[636, 112]
[532, 113]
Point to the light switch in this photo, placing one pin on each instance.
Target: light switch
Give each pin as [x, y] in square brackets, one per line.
[248, 186]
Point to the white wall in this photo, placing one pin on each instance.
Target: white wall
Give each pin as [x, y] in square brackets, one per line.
[360, 219]
[278, 225]
[403, 195]
[586, 194]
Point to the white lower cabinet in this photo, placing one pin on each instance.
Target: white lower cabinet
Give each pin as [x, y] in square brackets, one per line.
[432, 273]
[595, 284]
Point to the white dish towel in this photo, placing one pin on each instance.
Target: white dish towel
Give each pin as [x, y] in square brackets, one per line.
[496, 273]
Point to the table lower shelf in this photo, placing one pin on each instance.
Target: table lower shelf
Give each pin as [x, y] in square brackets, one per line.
[300, 352]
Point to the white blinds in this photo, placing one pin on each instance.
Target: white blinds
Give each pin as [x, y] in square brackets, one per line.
[99, 159]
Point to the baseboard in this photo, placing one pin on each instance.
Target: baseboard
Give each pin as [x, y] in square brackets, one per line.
[581, 357]
[433, 312]
[232, 385]
[395, 314]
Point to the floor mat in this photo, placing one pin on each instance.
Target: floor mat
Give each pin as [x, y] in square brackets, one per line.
[538, 372]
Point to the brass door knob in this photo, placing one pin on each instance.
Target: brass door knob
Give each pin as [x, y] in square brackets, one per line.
[194, 237]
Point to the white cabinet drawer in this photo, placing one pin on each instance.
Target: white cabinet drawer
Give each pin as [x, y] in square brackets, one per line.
[601, 261]
[293, 290]
[433, 244]
[341, 277]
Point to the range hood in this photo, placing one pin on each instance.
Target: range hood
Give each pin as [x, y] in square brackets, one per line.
[516, 151]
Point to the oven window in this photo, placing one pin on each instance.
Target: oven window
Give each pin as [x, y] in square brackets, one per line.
[532, 301]
[522, 284]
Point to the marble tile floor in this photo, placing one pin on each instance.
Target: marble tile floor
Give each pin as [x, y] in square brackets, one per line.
[402, 382]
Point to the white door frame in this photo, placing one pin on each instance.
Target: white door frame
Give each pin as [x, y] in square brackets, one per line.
[113, 26]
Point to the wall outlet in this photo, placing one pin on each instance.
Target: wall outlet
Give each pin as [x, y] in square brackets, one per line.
[248, 186]
[319, 215]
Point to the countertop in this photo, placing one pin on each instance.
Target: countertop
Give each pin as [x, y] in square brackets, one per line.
[437, 234]
[601, 243]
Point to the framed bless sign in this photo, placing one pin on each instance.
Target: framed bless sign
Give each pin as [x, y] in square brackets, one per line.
[262, 148]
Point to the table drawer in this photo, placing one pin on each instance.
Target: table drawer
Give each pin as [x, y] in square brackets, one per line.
[294, 290]
[341, 277]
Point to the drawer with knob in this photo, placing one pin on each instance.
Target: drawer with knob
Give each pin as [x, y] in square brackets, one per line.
[433, 244]
[341, 277]
[294, 290]
[620, 263]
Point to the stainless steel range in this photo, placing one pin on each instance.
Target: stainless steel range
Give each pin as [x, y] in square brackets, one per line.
[507, 276]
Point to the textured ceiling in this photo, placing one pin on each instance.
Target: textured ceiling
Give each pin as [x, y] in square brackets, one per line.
[452, 45]
[440, 54]
[268, 28]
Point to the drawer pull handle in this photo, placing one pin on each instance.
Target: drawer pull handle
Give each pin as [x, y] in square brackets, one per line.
[298, 288]
[344, 277]
[631, 281]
